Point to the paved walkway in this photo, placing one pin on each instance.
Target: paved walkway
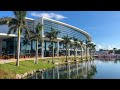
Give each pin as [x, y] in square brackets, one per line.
[2, 61]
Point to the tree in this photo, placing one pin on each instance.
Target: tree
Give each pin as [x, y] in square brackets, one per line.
[90, 45]
[52, 35]
[114, 49]
[17, 24]
[36, 35]
[26, 42]
[93, 49]
[87, 45]
[81, 46]
[66, 41]
[75, 45]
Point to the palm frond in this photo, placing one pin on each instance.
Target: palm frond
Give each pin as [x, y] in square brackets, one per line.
[26, 42]
[13, 29]
[5, 20]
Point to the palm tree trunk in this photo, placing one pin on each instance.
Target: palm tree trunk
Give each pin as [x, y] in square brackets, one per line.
[53, 53]
[18, 47]
[36, 61]
[81, 53]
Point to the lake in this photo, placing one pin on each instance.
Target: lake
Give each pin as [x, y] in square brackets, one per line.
[94, 69]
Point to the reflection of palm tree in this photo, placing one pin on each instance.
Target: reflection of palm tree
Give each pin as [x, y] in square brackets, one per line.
[53, 73]
[42, 75]
[77, 68]
[58, 72]
[36, 76]
[69, 71]
[92, 72]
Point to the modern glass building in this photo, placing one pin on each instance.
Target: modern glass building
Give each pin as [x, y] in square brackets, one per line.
[8, 43]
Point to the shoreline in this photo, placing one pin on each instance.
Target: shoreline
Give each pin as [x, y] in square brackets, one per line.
[20, 73]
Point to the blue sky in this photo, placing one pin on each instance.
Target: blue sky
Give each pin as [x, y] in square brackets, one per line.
[103, 26]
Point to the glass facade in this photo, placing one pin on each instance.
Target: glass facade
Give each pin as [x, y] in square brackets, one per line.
[30, 24]
[64, 30]
[10, 44]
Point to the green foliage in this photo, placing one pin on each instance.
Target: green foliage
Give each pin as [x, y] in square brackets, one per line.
[14, 23]
[66, 39]
[35, 35]
[10, 69]
[117, 51]
[52, 34]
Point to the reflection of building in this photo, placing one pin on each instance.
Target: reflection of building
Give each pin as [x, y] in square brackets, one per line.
[10, 41]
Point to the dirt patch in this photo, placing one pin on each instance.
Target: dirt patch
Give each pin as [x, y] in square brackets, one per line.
[6, 75]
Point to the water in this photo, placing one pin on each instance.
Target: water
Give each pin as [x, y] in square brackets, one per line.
[95, 69]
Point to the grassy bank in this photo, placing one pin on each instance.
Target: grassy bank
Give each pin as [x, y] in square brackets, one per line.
[9, 70]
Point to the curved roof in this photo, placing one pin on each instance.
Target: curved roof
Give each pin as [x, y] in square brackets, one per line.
[75, 28]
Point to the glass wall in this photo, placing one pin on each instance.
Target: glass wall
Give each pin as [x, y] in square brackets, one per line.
[64, 30]
[8, 46]
[48, 48]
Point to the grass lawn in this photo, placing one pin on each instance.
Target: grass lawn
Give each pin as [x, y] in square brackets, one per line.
[9, 70]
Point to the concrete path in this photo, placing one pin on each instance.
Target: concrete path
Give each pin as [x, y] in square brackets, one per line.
[2, 61]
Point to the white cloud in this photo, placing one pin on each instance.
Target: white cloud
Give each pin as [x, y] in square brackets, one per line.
[98, 46]
[48, 15]
[105, 46]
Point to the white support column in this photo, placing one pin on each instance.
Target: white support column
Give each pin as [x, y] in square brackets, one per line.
[88, 51]
[42, 46]
[58, 48]
[0, 47]
[68, 50]
[76, 52]
[42, 49]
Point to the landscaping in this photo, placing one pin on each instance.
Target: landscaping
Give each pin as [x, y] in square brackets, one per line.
[9, 70]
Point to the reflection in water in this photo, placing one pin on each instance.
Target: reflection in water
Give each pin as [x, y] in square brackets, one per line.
[81, 70]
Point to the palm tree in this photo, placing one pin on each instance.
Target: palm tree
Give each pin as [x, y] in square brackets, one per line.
[17, 24]
[36, 35]
[93, 49]
[87, 45]
[114, 50]
[81, 46]
[52, 35]
[66, 41]
[84, 46]
[75, 45]
[90, 45]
